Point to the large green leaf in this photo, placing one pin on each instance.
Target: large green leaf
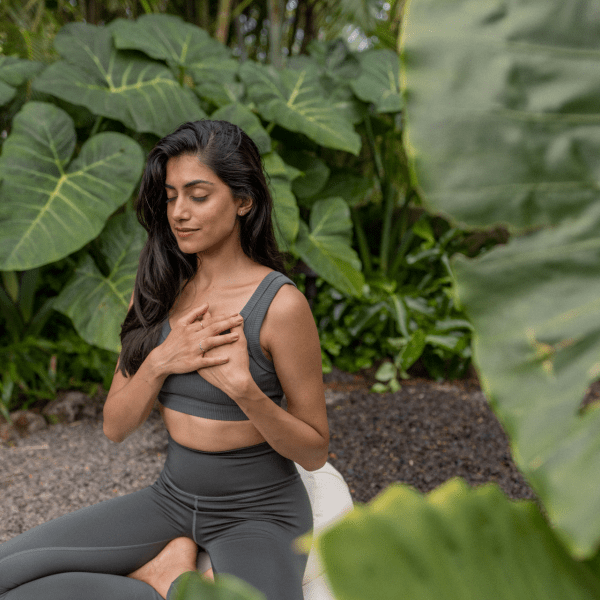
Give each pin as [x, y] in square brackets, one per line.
[192, 586]
[182, 45]
[325, 247]
[314, 173]
[503, 113]
[141, 93]
[243, 117]
[296, 100]
[51, 205]
[286, 215]
[378, 81]
[13, 73]
[503, 108]
[97, 303]
[455, 543]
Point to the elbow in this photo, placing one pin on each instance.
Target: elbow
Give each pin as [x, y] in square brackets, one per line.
[316, 462]
[112, 435]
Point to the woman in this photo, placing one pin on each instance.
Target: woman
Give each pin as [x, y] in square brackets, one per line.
[218, 334]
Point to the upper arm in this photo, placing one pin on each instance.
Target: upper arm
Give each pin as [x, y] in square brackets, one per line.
[291, 337]
[119, 380]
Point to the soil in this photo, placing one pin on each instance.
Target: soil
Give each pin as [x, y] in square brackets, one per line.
[422, 435]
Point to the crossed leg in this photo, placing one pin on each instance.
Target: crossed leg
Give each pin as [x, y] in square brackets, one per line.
[94, 548]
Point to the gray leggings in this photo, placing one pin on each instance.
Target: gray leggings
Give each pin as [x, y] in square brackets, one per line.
[244, 507]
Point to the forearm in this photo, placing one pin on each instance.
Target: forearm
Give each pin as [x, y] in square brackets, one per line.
[285, 433]
[128, 407]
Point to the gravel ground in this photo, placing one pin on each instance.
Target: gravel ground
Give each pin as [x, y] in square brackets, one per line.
[422, 435]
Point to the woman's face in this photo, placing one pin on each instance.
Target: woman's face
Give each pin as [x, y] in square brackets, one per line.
[201, 210]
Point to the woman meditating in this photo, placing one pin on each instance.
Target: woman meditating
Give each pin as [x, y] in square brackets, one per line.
[218, 334]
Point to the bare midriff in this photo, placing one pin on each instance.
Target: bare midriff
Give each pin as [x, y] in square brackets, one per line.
[209, 435]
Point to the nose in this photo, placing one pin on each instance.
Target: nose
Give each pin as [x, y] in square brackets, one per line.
[178, 209]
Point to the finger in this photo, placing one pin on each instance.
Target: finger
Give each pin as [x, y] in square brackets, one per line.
[194, 314]
[211, 361]
[220, 340]
[225, 324]
[209, 318]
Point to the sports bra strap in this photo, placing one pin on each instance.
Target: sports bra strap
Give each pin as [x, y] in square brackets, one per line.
[255, 311]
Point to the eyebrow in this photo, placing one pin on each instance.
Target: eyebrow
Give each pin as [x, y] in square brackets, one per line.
[190, 183]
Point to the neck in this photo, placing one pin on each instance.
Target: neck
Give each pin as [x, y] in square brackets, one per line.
[222, 268]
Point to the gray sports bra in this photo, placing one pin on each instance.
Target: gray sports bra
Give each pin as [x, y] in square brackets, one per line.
[191, 394]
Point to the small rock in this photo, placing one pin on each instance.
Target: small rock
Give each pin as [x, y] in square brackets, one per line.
[68, 407]
[26, 422]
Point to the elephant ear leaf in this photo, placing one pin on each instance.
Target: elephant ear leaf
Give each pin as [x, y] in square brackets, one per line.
[243, 117]
[51, 205]
[454, 543]
[97, 302]
[13, 73]
[140, 93]
[503, 127]
[296, 100]
[379, 80]
[326, 249]
[185, 47]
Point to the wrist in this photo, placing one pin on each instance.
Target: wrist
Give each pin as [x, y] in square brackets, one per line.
[246, 390]
[154, 368]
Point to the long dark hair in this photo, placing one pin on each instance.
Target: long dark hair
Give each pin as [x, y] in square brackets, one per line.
[163, 269]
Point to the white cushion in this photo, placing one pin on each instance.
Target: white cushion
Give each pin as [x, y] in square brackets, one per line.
[330, 500]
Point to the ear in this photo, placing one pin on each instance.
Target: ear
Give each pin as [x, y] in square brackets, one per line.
[244, 206]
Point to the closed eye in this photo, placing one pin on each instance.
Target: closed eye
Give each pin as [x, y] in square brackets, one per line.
[199, 199]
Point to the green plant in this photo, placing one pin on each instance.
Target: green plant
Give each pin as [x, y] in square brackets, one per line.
[329, 130]
[410, 318]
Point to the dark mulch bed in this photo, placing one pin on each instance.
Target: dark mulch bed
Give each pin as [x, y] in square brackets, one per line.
[424, 434]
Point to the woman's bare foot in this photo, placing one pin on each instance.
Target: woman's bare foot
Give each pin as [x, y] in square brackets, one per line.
[177, 557]
[209, 575]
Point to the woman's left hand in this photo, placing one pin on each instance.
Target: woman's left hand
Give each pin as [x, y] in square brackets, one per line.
[234, 375]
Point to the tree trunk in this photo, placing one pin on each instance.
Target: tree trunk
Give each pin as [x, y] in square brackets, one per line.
[203, 14]
[223, 20]
[309, 25]
[275, 32]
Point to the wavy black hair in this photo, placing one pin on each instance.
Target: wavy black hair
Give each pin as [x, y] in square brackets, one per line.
[163, 269]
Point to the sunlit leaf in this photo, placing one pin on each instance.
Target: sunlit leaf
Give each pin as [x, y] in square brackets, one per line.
[455, 543]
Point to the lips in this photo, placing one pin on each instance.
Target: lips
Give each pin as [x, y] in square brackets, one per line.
[183, 233]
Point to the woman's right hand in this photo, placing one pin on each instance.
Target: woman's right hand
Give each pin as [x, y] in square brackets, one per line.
[191, 336]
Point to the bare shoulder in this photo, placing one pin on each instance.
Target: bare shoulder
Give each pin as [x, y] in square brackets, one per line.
[289, 306]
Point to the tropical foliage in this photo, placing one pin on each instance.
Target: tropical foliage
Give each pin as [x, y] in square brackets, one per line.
[328, 127]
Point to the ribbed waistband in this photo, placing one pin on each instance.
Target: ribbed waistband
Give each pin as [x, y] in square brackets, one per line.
[230, 472]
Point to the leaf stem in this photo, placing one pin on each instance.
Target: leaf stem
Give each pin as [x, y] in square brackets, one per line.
[96, 126]
[363, 244]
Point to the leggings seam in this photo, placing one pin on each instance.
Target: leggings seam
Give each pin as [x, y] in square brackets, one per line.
[81, 549]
